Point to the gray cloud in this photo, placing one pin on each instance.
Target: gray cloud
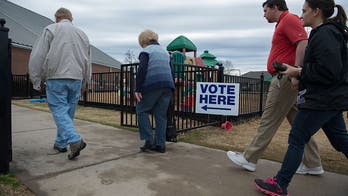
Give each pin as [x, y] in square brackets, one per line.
[230, 29]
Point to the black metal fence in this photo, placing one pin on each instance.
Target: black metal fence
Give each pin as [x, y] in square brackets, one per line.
[23, 88]
[115, 90]
[252, 94]
[251, 101]
[103, 91]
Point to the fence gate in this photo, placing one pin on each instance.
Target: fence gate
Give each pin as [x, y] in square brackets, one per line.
[5, 99]
[127, 98]
[183, 104]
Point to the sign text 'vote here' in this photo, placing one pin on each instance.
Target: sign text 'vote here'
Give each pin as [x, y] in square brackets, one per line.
[217, 98]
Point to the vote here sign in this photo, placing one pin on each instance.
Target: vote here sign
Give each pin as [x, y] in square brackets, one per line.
[217, 98]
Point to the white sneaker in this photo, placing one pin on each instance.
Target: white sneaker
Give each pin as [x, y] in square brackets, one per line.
[239, 159]
[303, 169]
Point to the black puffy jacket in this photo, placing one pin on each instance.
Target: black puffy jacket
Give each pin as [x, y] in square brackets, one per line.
[324, 77]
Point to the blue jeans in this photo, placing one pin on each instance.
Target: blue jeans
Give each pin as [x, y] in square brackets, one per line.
[63, 96]
[155, 102]
[306, 124]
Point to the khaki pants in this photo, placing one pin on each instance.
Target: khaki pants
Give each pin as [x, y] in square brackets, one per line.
[280, 103]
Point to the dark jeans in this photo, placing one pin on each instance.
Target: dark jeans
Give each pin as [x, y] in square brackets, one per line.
[306, 124]
[155, 102]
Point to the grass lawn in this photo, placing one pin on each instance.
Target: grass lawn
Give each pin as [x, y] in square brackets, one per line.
[242, 134]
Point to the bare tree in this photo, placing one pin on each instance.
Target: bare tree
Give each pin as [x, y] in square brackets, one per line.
[229, 68]
[130, 57]
[227, 63]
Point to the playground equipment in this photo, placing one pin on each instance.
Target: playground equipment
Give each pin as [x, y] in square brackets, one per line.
[209, 59]
[183, 44]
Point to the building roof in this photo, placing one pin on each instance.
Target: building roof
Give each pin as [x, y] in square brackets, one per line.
[181, 42]
[25, 27]
[257, 75]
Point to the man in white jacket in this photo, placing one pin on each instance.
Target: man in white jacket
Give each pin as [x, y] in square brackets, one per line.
[61, 58]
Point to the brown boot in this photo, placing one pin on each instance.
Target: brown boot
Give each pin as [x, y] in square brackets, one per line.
[75, 149]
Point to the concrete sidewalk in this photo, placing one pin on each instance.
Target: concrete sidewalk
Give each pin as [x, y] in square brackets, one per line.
[112, 165]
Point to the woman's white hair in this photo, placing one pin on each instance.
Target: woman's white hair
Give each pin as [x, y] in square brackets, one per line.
[146, 37]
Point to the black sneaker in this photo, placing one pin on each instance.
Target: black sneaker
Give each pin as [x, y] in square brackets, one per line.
[56, 150]
[147, 146]
[269, 186]
[62, 150]
[159, 149]
[75, 149]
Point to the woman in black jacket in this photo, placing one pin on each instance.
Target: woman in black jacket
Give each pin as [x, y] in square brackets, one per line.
[323, 90]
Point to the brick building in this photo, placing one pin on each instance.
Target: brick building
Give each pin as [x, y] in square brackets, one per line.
[25, 26]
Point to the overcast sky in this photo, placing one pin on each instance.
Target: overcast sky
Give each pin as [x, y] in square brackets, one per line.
[233, 30]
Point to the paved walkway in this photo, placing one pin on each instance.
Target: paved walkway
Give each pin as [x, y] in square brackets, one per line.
[112, 165]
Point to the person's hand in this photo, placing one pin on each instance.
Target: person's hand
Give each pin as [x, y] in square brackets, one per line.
[83, 90]
[294, 82]
[37, 87]
[138, 96]
[291, 71]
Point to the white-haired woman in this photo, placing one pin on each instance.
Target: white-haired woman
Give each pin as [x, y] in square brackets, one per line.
[154, 89]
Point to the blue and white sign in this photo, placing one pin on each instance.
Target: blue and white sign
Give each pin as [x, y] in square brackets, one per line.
[217, 98]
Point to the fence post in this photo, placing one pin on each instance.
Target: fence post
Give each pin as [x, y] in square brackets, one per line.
[28, 87]
[5, 99]
[131, 87]
[121, 94]
[84, 95]
[10, 96]
[221, 73]
[261, 93]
